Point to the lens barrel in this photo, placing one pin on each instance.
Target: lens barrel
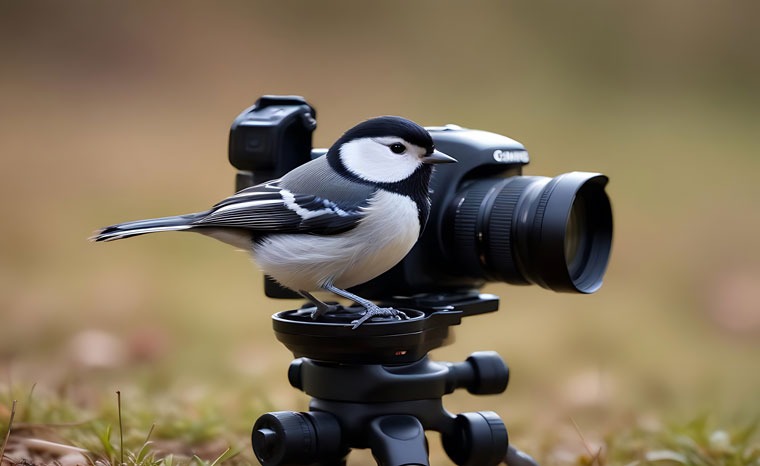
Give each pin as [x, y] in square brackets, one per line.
[554, 232]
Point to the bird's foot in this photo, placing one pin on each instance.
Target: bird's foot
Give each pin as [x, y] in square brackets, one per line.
[377, 311]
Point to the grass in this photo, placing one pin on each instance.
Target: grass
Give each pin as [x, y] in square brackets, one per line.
[108, 436]
[696, 443]
[49, 429]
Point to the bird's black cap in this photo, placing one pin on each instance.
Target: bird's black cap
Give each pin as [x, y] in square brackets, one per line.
[389, 126]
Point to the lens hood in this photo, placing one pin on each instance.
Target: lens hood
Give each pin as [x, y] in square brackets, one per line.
[568, 233]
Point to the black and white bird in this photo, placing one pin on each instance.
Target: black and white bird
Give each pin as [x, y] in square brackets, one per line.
[332, 223]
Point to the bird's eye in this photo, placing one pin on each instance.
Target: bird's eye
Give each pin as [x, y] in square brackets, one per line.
[397, 148]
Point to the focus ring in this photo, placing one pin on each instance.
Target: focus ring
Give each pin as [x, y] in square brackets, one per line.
[501, 259]
[466, 241]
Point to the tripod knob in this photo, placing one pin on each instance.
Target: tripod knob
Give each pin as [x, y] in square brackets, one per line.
[491, 374]
[289, 438]
[483, 373]
[479, 439]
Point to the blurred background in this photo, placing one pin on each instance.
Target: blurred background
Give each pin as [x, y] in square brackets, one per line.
[112, 111]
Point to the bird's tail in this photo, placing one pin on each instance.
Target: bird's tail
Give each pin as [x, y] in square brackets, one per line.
[141, 227]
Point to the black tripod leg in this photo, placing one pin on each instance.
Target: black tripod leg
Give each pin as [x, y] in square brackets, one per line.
[517, 458]
[398, 440]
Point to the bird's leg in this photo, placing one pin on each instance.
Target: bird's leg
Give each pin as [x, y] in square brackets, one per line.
[371, 309]
[322, 307]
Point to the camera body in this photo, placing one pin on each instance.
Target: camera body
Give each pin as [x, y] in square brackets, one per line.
[488, 222]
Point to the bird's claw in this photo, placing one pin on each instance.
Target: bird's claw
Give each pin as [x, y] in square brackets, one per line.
[379, 312]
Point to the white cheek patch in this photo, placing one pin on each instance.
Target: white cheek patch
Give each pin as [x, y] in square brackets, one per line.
[373, 161]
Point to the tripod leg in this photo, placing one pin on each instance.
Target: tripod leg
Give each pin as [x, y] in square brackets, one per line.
[398, 440]
[517, 458]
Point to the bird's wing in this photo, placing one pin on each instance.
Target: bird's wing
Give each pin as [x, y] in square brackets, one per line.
[270, 208]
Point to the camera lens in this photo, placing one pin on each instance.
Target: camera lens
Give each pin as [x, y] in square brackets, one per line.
[554, 232]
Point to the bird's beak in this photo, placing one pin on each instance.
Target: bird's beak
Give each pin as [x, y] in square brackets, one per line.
[438, 157]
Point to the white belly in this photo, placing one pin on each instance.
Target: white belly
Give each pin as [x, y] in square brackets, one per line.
[380, 241]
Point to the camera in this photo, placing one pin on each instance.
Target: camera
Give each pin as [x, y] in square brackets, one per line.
[488, 222]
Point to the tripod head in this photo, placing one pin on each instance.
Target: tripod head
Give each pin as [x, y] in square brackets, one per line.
[380, 342]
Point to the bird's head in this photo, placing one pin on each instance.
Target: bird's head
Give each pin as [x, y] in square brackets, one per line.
[386, 149]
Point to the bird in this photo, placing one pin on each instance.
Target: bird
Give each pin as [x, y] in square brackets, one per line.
[332, 223]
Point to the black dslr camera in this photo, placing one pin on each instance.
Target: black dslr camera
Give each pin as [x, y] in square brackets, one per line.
[487, 223]
[374, 387]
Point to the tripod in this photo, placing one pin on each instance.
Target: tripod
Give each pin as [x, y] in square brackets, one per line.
[376, 388]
